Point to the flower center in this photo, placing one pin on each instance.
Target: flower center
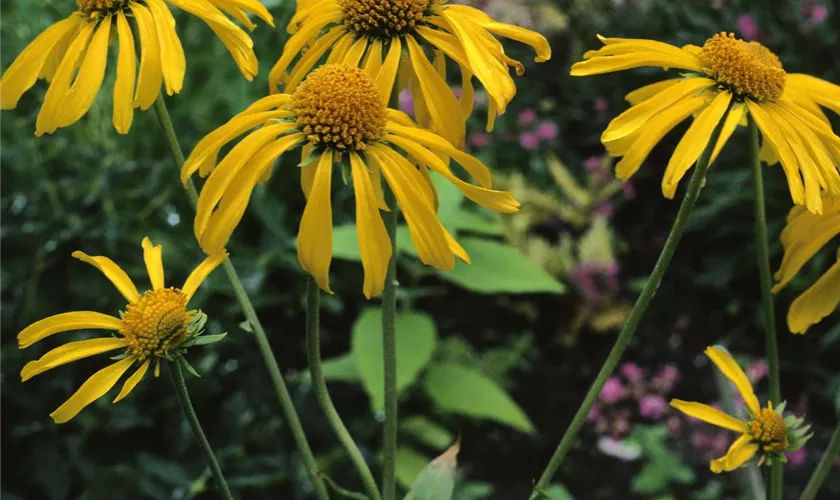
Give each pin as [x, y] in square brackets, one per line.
[748, 69]
[156, 323]
[339, 106]
[387, 18]
[769, 429]
[100, 6]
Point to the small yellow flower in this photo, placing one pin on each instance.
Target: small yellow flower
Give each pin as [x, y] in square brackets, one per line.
[153, 325]
[765, 432]
[81, 42]
[339, 116]
[804, 235]
[395, 34]
[724, 72]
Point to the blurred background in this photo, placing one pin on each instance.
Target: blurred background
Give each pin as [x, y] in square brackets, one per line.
[501, 352]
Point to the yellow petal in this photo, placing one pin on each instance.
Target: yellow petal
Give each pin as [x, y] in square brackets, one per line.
[388, 71]
[152, 256]
[642, 94]
[733, 372]
[354, 54]
[65, 322]
[126, 74]
[804, 235]
[113, 272]
[200, 273]
[314, 246]
[652, 132]
[693, 143]
[374, 245]
[340, 48]
[91, 74]
[150, 76]
[94, 388]
[739, 452]
[825, 93]
[308, 60]
[132, 381]
[24, 70]
[68, 353]
[173, 62]
[609, 64]
[710, 415]
[733, 119]
[816, 302]
[306, 35]
[526, 36]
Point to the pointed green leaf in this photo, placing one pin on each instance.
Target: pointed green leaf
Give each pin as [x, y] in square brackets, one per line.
[461, 389]
[187, 366]
[427, 431]
[416, 339]
[207, 339]
[341, 368]
[437, 480]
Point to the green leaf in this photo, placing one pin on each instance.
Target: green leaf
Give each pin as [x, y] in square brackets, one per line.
[207, 339]
[409, 465]
[479, 222]
[346, 242]
[416, 339]
[463, 390]
[341, 368]
[187, 366]
[427, 431]
[437, 480]
[497, 268]
[450, 199]
[558, 492]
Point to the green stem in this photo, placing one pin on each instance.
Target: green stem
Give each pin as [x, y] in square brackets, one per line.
[826, 463]
[763, 261]
[280, 389]
[180, 384]
[389, 344]
[322, 395]
[651, 285]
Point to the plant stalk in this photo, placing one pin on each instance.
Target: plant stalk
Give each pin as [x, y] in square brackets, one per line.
[277, 380]
[389, 344]
[177, 376]
[825, 465]
[322, 395]
[698, 178]
[763, 261]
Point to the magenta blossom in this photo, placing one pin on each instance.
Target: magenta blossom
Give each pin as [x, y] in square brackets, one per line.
[407, 102]
[747, 27]
[666, 378]
[479, 140]
[601, 106]
[652, 406]
[818, 14]
[632, 372]
[527, 116]
[547, 130]
[529, 141]
[612, 391]
[796, 458]
[628, 190]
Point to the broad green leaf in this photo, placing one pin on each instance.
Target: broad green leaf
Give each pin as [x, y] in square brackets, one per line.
[427, 431]
[437, 480]
[461, 389]
[346, 242]
[416, 339]
[497, 268]
[558, 492]
[409, 465]
[450, 199]
[340, 368]
[477, 222]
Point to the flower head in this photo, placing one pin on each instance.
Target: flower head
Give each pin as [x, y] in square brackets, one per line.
[803, 236]
[81, 42]
[338, 116]
[394, 35]
[724, 82]
[765, 432]
[154, 325]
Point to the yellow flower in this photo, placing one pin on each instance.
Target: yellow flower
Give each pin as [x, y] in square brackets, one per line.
[724, 71]
[339, 116]
[153, 325]
[765, 431]
[393, 33]
[804, 235]
[81, 42]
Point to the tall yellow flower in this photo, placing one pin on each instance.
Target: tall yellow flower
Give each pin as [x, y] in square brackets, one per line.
[339, 116]
[804, 235]
[765, 432]
[724, 71]
[81, 42]
[154, 325]
[395, 34]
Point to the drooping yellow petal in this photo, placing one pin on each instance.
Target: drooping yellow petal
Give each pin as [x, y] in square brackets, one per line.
[387, 74]
[152, 256]
[236, 7]
[113, 272]
[823, 92]
[642, 94]
[94, 388]
[340, 48]
[816, 302]
[693, 143]
[354, 54]
[733, 372]
[804, 235]
[607, 64]
[65, 322]
[298, 41]
[150, 76]
[172, 60]
[526, 36]
[733, 119]
[710, 415]
[126, 75]
[653, 131]
[133, 380]
[68, 353]
[200, 273]
[374, 245]
[314, 246]
[52, 111]
[83, 92]
[739, 452]
[24, 70]
[308, 60]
